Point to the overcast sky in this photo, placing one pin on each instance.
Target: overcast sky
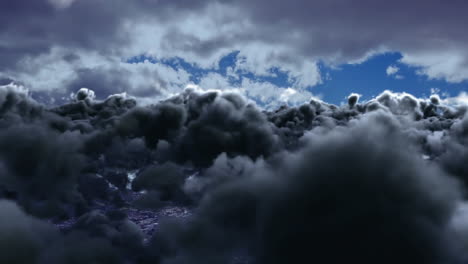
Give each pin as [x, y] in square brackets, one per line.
[273, 51]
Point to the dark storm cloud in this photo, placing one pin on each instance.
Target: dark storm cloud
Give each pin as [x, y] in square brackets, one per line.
[374, 181]
[40, 161]
[99, 239]
[23, 238]
[167, 179]
[220, 123]
[160, 122]
[43, 154]
[354, 194]
[380, 186]
[40, 164]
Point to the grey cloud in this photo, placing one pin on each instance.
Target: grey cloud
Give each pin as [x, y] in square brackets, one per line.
[38, 27]
[32, 28]
[331, 201]
[23, 238]
[387, 174]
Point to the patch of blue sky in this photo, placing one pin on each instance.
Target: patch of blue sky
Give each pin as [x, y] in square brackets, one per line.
[277, 77]
[369, 78]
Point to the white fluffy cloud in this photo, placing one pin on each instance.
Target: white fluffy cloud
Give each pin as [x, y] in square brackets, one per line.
[449, 65]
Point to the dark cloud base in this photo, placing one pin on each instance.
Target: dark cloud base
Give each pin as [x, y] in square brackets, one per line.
[207, 177]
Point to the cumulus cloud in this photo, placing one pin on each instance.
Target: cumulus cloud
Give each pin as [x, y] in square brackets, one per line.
[388, 174]
[321, 209]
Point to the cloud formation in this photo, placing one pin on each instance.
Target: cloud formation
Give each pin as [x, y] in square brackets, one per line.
[133, 162]
[388, 174]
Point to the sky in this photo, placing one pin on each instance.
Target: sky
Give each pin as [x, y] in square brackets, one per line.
[233, 131]
[271, 52]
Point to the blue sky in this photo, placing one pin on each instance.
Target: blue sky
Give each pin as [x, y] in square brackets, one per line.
[368, 78]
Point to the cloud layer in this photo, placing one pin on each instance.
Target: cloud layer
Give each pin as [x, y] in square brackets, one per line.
[376, 181]
[85, 43]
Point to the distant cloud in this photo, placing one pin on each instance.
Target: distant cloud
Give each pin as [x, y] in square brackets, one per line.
[391, 70]
[450, 64]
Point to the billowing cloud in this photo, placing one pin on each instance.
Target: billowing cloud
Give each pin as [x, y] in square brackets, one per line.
[239, 179]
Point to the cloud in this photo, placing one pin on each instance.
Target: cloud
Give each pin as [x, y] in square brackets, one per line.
[26, 239]
[448, 64]
[324, 212]
[353, 99]
[23, 238]
[391, 70]
[268, 35]
[144, 80]
[380, 180]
